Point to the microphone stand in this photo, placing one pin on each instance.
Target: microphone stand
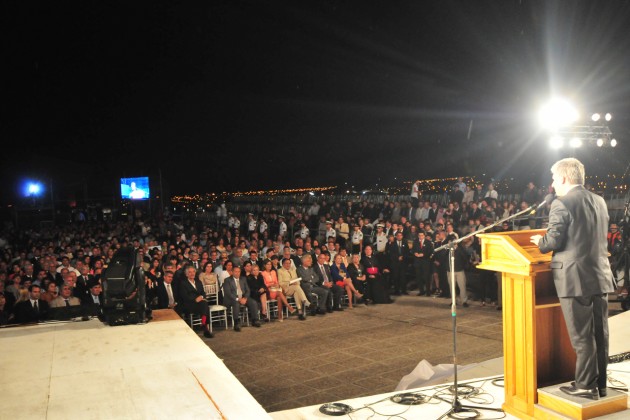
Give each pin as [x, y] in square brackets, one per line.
[458, 407]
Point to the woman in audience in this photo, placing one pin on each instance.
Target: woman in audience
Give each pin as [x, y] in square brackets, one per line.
[155, 271]
[339, 274]
[51, 292]
[356, 271]
[227, 272]
[258, 290]
[207, 275]
[221, 246]
[270, 277]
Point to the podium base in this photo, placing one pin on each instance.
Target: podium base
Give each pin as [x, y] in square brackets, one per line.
[555, 404]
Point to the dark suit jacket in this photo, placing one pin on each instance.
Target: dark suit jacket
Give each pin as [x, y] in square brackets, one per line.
[394, 251]
[230, 293]
[25, 313]
[187, 293]
[426, 249]
[162, 294]
[578, 224]
[81, 290]
[320, 275]
[88, 300]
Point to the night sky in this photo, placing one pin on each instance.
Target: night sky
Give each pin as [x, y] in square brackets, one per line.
[241, 95]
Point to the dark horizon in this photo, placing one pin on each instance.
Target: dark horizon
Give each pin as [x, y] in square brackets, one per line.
[245, 95]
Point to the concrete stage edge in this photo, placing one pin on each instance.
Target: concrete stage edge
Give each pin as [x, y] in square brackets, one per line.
[88, 370]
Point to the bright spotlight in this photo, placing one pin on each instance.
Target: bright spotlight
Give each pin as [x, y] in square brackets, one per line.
[613, 143]
[556, 142]
[31, 188]
[600, 142]
[595, 117]
[575, 142]
[557, 113]
[608, 116]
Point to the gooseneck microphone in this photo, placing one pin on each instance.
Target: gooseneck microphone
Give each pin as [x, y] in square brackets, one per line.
[548, 199]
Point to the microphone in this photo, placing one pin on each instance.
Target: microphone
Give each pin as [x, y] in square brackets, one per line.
[548, 199]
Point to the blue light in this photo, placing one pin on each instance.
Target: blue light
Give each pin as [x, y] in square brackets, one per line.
[32, 188]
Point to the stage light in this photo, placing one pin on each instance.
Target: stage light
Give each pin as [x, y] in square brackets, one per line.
[32, 188]
[575, 142]
[613, 143]
[557, 113]
[595, 117]
[556, 142]
[608, 116]
[600, 142]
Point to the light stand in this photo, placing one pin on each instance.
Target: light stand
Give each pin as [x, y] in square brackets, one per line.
[458, 407]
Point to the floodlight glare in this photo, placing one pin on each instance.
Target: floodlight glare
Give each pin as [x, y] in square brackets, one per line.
[595, 117]
[575, 142]
[608, 116]
[557, 113]
[600, 142]
[613, 143]
[33, 189]
[556, 142]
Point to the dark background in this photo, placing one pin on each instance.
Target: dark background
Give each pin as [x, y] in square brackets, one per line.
[241, 95]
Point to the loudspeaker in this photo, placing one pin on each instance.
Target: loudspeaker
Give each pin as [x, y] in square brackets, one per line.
[124, 289]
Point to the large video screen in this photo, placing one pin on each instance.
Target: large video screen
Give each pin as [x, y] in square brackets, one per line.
[134, 188]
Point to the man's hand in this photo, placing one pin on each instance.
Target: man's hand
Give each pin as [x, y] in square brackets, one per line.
[242, 301]
[198, 298]
[535, 239]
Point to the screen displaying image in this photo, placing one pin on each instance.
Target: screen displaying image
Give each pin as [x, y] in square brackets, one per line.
[134, 188]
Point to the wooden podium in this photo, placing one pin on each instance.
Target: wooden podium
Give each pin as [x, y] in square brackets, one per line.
[536, 347]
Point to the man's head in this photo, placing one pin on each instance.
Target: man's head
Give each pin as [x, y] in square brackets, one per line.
[566, 174]
[34, 291]
[190, 273]
[66, 291]
[96, 288]
[307, 260]
[168, 277]
[236, 272]
[286, 263]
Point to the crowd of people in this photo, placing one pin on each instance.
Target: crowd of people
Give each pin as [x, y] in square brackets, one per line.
[330, 257]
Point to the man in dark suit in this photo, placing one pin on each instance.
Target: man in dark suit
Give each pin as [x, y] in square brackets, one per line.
[236, 293]
[422, 251]
[93, 299]
[81, 289]
[166, 291]
[398, 252]
[32, 310]
[310, 285]
[192, 298]
[578, 224]
[325, 280]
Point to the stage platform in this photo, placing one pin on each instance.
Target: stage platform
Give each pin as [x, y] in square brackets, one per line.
[89, 370]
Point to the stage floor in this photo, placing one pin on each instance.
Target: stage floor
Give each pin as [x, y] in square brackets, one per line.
[88, 370]
[490, 393]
